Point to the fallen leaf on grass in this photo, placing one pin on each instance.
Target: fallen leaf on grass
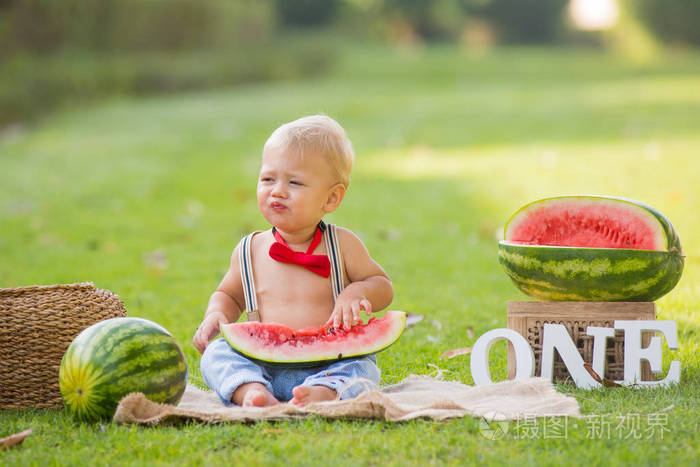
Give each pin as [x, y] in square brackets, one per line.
[14, 440]
[156, 260]
[412, 319]
[456, 352]
[608, 383]
[470, 332]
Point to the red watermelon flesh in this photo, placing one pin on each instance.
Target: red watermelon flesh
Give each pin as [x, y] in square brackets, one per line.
[275, 344]
[589, 222]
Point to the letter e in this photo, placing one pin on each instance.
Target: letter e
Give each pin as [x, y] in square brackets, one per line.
[634, 353]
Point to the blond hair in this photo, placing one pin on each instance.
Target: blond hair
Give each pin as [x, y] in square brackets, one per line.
[317, 134]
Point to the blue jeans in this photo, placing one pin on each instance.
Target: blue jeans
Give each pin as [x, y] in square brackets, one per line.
[223, 369]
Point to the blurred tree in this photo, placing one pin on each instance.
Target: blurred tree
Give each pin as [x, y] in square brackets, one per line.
[306, 12]
[41, 26]
[672, 20]
[629, 37]
[428, 19]
[29, 25]
[529, 21]
[86, 49]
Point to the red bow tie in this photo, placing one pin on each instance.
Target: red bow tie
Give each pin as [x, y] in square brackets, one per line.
[319, 264]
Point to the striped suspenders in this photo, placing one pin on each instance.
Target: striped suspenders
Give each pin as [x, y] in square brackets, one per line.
[330, 235]
[251, 301]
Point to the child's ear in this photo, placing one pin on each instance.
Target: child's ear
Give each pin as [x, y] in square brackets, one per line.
[335, 196]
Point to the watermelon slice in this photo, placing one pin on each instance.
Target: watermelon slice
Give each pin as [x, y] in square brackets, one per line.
[591, 248]
[274, 344]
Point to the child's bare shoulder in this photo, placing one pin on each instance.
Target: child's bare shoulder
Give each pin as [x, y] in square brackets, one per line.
[255, 238]
[349, 240]
[256, 244]
[359, 264]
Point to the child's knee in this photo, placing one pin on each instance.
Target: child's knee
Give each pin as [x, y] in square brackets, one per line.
[212, 357]
[210, 352]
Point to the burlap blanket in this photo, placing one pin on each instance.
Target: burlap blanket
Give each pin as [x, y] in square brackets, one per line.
[414, 397]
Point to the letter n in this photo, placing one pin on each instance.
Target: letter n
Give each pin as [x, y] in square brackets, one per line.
[557, 337]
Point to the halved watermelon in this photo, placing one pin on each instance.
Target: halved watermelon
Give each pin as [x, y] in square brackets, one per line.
[591, 248]
[274, 344]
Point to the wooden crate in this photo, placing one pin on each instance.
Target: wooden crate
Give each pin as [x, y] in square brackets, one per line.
[528, 319]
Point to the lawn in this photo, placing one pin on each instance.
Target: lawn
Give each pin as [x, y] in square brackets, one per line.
[147, 198]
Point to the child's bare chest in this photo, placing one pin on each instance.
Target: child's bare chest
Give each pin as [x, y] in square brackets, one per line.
[288, 293]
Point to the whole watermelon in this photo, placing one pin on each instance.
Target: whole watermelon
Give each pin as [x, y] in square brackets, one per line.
[116, 357]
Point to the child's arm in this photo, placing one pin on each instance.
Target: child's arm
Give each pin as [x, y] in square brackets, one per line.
[370, 288]
[225, 305]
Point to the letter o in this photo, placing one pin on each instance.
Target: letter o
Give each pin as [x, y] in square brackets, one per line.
[524, 357]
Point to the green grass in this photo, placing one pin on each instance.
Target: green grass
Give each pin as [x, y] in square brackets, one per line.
[448, 146]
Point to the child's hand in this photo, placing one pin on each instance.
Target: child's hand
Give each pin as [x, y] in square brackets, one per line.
[208, 330]
[347, 311]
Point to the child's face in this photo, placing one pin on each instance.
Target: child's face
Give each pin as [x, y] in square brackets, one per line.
[294, 191]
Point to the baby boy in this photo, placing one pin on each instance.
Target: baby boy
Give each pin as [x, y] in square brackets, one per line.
[288, 275]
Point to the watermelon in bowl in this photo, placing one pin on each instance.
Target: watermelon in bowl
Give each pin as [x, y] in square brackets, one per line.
[591, 248]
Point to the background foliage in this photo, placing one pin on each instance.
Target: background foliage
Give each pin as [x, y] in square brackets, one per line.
[674, 21]
[64, 53]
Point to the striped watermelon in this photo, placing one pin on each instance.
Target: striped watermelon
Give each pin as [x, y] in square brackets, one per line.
[118, 356]
[591, 248]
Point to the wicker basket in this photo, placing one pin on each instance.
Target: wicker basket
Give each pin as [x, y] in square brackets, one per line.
[528, 319]
[37, 324]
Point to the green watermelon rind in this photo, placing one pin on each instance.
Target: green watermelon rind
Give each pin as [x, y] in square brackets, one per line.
[555, 273]
[118, 356]
[672, 239]
[309, 359]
